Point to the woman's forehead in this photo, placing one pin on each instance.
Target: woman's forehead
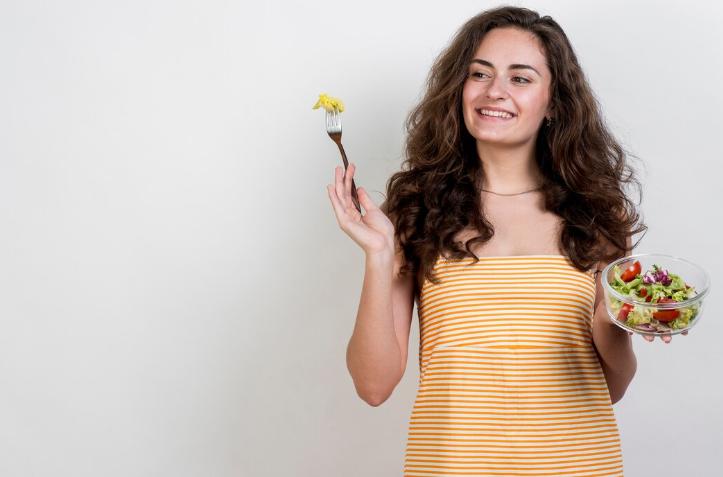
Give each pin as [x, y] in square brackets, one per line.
[502, 47]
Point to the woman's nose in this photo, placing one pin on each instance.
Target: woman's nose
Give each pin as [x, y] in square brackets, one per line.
[497, 88]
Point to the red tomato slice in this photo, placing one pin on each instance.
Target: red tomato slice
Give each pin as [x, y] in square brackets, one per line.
[631, 272]
[666, 315]
[624, 311]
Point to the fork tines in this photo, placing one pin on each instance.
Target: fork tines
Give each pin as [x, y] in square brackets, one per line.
[333, 121]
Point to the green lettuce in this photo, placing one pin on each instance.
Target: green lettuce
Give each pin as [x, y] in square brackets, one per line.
[683, 321]
[639, 316]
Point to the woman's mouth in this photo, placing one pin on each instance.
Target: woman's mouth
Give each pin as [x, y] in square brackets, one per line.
[492, 115]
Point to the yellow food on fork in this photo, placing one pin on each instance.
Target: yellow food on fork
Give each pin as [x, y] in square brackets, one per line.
[330, 104]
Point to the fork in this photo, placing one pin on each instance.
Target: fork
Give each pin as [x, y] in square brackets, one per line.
[333, 128]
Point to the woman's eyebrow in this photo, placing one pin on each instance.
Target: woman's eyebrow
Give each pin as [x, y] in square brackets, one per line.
[515, 66]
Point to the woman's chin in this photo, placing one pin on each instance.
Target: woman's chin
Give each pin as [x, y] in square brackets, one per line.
[493, 138]
[502, 138]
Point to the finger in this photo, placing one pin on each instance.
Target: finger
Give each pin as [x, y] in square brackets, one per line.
[339, 184]
[365, 200]
[684, 332]
[348, 173]
[349, 226]
[335, 202]
[630, 333]
[340, 209]
[666, 338]
[648, 338]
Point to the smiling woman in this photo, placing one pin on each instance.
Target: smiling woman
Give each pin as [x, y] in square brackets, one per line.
[507, 153]
[525, 119]
[505, 104]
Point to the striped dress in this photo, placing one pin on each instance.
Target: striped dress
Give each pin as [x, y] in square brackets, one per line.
[510, 383]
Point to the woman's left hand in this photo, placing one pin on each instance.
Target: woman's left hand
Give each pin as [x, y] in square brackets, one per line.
[665, 338]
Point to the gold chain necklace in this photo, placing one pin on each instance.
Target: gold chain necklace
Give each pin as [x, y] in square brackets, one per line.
[517, 193]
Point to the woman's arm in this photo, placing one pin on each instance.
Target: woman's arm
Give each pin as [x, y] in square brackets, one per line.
[377, 352]
[614, 347]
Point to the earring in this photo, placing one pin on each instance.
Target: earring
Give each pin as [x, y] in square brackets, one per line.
[549, 121]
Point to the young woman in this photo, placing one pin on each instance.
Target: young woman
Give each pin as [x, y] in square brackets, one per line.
[510, 203]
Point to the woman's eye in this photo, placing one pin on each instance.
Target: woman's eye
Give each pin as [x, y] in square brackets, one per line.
[477, 74]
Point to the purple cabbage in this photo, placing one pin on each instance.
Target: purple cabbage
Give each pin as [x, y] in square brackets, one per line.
[657, 275]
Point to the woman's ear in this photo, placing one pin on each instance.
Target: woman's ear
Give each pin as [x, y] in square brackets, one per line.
[550, 113]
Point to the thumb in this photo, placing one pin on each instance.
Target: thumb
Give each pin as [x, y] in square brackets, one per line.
[364, 199]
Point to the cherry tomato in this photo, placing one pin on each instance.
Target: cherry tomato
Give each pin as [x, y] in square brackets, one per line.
[631, 272]
[624, 311]
[666, 315]
[643, 293]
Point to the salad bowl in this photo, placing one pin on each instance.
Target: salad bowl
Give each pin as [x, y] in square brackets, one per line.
[654, 294]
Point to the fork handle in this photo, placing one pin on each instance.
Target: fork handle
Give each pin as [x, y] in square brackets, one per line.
[354, 196]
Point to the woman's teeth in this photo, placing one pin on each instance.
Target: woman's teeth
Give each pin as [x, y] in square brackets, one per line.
[497, 114]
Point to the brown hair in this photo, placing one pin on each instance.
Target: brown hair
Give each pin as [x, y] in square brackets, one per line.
[436, 192]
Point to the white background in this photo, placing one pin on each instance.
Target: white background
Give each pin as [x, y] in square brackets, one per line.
[176, 295]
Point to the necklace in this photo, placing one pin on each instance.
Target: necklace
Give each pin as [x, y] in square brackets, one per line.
[517, 193]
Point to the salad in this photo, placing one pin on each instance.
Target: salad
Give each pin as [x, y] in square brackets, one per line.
[656, 285]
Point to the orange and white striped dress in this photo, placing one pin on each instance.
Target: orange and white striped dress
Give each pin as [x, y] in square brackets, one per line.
[510, 383]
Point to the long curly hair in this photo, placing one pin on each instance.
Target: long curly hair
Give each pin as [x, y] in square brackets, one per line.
[436, 194]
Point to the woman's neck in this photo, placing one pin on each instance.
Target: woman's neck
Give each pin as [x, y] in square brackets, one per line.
[510, 170]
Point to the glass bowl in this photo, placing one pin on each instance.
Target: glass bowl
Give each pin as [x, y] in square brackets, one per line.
[643, 312]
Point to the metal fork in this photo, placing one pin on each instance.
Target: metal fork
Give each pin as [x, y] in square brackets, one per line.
[333, 128]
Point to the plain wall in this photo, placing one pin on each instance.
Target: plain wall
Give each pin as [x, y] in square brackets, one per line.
[175, 294]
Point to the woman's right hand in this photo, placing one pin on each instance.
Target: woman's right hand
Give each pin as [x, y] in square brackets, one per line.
[373, 231]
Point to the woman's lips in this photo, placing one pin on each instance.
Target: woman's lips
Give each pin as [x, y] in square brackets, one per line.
[493, 118]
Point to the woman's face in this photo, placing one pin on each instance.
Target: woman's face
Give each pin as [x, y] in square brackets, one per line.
[509, 73]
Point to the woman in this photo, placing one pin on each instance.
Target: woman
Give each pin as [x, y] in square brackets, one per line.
[510, 204]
